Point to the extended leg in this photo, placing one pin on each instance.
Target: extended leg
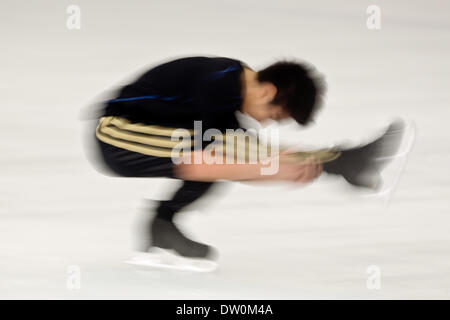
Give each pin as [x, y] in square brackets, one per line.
[361, 166]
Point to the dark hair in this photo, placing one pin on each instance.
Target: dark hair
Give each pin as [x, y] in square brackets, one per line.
[300, 89]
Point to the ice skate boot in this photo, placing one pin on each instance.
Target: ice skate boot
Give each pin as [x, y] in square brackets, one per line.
[171, 249]
[361, 166]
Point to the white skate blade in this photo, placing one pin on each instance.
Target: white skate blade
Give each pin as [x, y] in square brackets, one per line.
[166, 259]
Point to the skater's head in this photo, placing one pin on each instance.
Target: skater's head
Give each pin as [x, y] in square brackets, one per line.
[286, 89]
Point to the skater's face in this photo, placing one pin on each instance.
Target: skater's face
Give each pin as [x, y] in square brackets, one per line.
[258, 97]
[261, 107]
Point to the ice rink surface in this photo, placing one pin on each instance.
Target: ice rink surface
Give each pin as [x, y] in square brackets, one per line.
[317, 241]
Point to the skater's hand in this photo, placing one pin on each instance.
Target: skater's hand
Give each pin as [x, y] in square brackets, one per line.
[303, 172]
[309, 171]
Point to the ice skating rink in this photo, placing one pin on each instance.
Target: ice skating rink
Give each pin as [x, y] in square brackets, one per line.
[65, 229]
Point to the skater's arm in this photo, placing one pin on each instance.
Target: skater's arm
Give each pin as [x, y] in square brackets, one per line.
[279, 168]
[212, 172]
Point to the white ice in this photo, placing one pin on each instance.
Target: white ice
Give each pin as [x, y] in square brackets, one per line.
[281, 241]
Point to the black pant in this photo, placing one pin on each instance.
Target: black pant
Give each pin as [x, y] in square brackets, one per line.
[126, 163]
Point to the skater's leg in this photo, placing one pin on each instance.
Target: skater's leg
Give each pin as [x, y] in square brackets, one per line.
[163, 231]
[126, 163]
[189, 192]
[160, 231]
